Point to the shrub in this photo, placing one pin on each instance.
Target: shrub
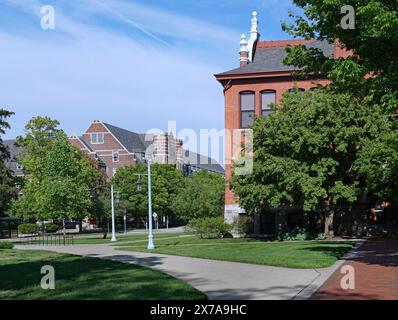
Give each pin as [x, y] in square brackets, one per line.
[300, 236]
[51, 228]
[294, 236]
[240, 225]
[28, 228]
[6, 245]
[320, 236]
[209, 228]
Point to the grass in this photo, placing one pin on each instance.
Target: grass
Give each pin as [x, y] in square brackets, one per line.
[298, 254]
[84, 278]
[98, 238]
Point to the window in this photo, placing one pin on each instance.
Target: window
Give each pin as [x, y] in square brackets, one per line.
[97, 138]
[268, 100]
[246, 109]
[300, 90]
[115, 156]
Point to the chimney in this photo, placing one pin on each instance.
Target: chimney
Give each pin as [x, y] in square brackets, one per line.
[243, 52]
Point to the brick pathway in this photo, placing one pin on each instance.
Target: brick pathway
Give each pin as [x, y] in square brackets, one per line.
[376, 274]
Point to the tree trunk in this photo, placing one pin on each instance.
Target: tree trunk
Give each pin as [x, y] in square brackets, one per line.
[104, 229]
[80, 225]
[329, 216]
[63, 227]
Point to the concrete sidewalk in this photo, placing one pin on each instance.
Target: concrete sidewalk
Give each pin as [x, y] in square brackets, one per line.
[217, 279]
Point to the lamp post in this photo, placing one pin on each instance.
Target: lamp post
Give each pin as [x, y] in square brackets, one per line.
[113, 217]
[151, 245]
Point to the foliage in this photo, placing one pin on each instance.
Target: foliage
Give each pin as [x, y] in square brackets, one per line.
[209, 227]
[378, 161]
[240, 225]
[6, 245]
[65, 187]
[8, 190]
[373, 42]
[51, 228]
[61, 182]
[294, 236]
[300, 236]
[305, 153]
[201, 196]
[165, 179]
[35, 146]
[28, 228]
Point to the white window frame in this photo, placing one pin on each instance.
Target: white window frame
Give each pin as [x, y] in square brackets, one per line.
[97, 135]
[115, 153]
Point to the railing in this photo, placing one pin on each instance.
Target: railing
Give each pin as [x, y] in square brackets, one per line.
[47, 240]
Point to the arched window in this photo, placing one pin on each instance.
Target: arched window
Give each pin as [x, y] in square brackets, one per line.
[268, 101]
[246, 109]
[301, 90]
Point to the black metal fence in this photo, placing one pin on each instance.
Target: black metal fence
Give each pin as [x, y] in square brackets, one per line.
[47, 240]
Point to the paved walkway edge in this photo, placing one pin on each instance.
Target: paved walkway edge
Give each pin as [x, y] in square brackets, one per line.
[313, 287]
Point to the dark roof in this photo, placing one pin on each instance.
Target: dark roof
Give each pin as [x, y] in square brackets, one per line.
[133, 142]
[87, 145]
[202, 162]
[139, 142]
[11, 163]
[271, 59]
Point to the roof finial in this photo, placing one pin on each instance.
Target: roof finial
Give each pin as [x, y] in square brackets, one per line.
[243, 43]
[254, 28]
[244, 51]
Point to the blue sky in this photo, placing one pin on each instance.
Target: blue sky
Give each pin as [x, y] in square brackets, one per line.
[136, 64]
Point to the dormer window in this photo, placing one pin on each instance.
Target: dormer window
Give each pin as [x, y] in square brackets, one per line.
[97, 138]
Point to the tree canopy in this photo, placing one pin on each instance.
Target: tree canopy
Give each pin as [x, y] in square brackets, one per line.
[202, 196]
[8, 189]
[306, 153]
[372, 68]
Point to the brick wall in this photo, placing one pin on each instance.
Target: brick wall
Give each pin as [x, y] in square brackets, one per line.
[232, 109]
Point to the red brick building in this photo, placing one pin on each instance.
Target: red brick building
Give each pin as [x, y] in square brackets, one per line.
[114, 147]
[261, 79]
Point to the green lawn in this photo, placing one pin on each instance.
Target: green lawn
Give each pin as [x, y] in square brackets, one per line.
[85, 278]
[300, 254]
[98, 238]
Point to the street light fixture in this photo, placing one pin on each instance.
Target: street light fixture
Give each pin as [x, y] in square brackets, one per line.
[113, 217]
[151, 245]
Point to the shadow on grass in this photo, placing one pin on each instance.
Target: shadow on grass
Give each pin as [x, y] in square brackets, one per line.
[91, 278]
[330, 248]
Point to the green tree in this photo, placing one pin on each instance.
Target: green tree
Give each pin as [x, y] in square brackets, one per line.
[166, 181]
[8, 189]
[66, 184]
[305, 153]
[373, 41]
[201, 196]
[35, 146]
[378, 161]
